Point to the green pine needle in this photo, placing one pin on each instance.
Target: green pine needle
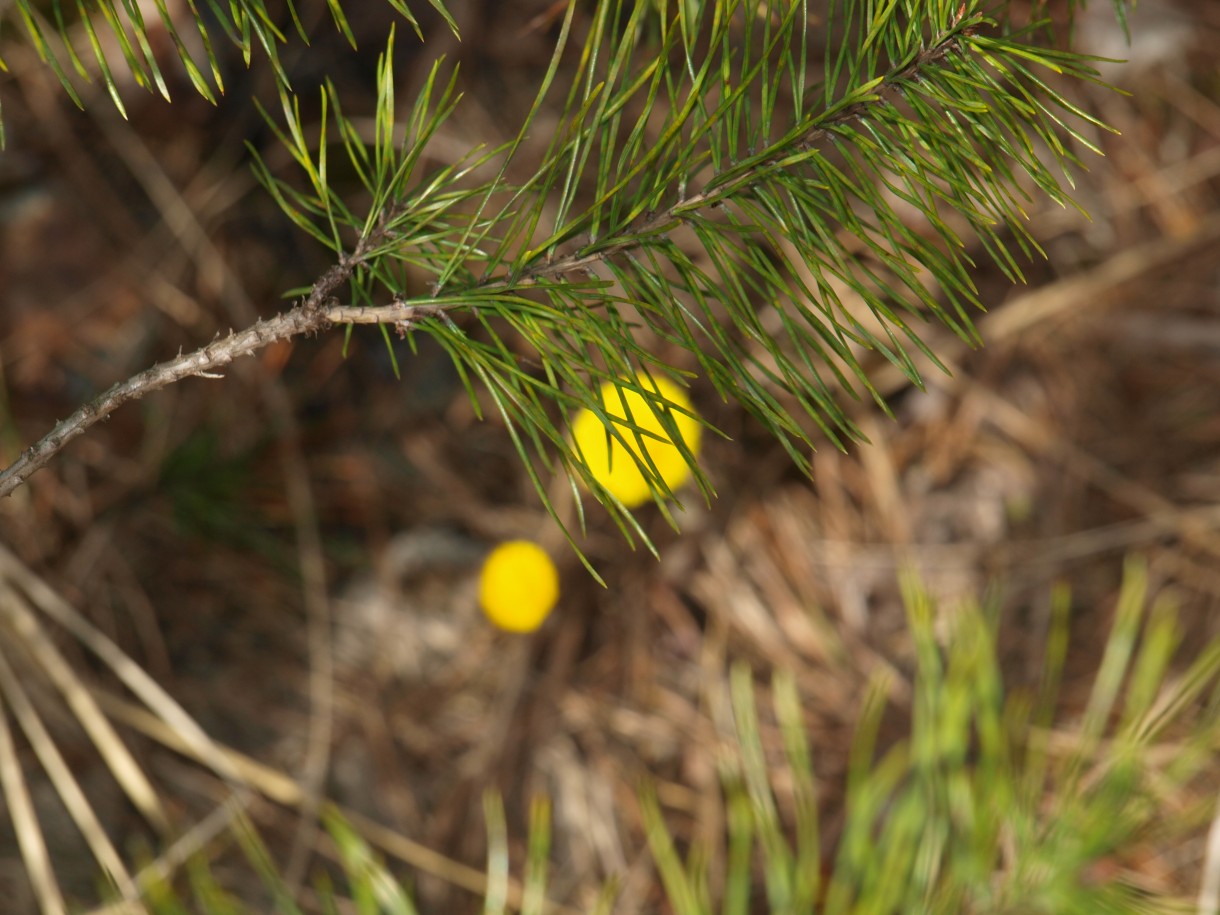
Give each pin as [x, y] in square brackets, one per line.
[698, 192]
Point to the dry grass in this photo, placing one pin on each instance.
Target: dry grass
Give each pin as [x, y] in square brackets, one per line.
[221, 533]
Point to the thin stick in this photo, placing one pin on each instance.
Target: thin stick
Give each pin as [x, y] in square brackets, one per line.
[204, 362]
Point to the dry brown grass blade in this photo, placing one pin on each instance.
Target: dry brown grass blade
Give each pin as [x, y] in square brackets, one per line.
[178, 853]
[287, 791]
[1095, 287]
[21, 622]
[128, 671]
[1209, 890]
[1193, 526]
[65, 784]
[1072, 295]
[25, 821]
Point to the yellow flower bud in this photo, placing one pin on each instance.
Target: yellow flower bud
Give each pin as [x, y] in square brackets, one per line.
[518, 586]
[613, 465]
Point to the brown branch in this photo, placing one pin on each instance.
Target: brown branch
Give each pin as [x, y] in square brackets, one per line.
[311, 316]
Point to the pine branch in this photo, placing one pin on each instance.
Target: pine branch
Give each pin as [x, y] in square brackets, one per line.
[723, 186]
[794, 224]
[318, 312]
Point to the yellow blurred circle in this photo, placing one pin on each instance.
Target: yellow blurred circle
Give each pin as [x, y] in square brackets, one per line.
[518, 586]
[613, 465]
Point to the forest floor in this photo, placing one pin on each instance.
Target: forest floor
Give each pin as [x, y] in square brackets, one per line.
[204, 527]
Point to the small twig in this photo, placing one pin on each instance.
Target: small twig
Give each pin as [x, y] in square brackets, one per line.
[311, 316]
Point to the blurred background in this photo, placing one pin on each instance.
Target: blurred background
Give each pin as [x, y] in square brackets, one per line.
[203, 528]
